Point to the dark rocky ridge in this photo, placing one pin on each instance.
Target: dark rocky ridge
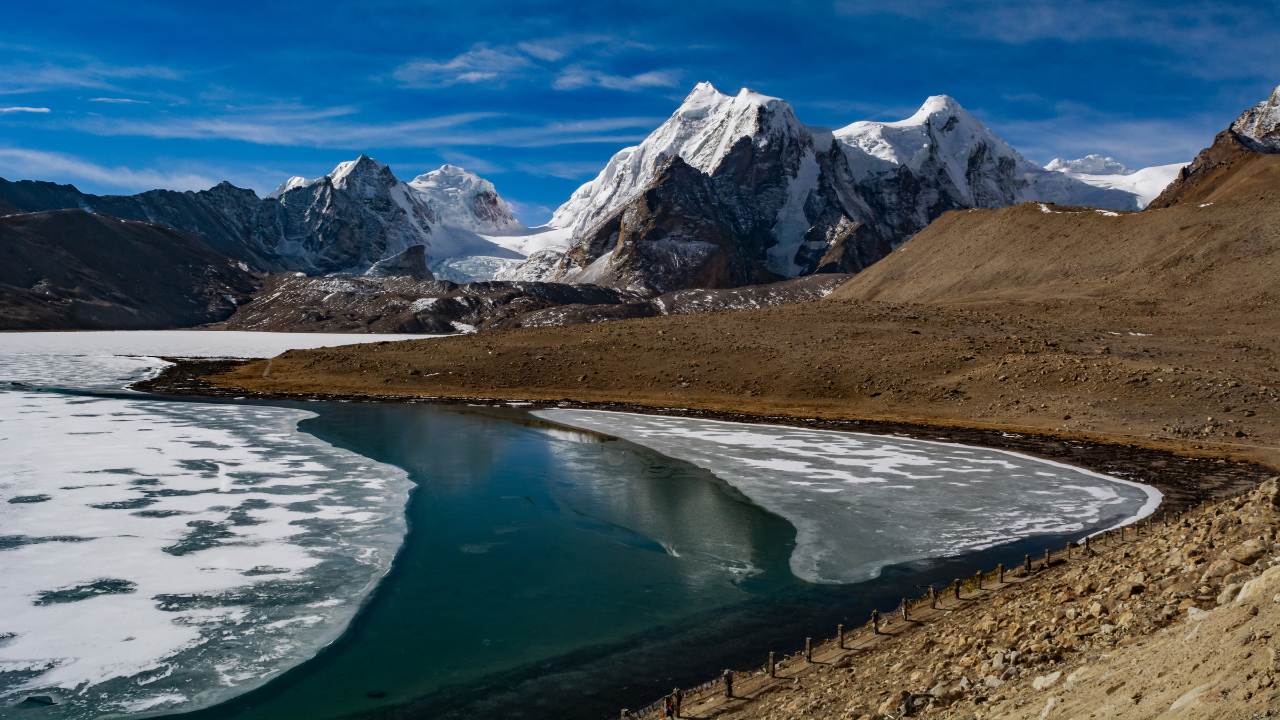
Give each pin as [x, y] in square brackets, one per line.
[404, 305]
[69, 269]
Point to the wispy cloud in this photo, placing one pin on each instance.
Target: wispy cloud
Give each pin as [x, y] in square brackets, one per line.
[25, 78]
[20, 163]
[534, 59]
[323, 129]
[122, 101]
[577, 76]
[471, 162]
[480, 64]
[24, 110]
[566, 170]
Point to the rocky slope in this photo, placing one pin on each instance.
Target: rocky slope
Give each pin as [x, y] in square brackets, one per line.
[1175, 620]
[778, 196]
[69, 269]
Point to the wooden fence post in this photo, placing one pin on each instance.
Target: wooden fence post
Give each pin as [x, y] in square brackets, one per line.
[1028, 565]
[728, 683]
[773, 664]
[840, 635]
[933, 598]
[1046, 557]
[875, 622]
[808, 650]
[1000, 567]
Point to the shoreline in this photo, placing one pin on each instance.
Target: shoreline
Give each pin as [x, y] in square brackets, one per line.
[1182, 471]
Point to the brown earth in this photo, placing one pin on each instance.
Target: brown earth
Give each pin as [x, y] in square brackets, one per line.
[1158, 328]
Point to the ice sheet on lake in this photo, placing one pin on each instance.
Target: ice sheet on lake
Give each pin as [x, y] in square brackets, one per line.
[110, 360]
[160, 556]
[860, 502]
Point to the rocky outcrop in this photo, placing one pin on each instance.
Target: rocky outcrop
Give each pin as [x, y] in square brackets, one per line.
[1259, 126]
[70, 269]
[410, 263]
[1256, 131]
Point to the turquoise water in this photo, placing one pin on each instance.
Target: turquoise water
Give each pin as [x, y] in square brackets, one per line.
[553, 572]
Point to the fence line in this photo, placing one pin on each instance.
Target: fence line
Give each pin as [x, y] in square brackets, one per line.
[1088, 546]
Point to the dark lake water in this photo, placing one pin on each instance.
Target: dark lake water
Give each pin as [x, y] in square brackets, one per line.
[550, 572]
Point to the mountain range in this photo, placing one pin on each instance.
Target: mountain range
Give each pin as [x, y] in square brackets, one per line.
[730, 191]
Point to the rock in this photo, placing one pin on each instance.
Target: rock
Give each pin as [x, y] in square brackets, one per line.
[1106, 629]
[1043, 681]
[1229, 593]
[997, 661]
[1260, 587]
[1219, 569]
[1187, 604]
[1248, 552]
[1193, 697]
[1009, 673]
[1195, 614]
[992, 681]
[1097, 609]
[1128, 590]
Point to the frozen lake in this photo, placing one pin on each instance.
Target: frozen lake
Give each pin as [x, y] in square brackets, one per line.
[161, 556]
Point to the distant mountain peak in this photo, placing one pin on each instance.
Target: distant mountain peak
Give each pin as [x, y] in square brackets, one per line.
[465, 200]
[1089, 165]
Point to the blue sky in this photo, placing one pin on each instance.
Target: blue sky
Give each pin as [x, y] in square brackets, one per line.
[118, 97]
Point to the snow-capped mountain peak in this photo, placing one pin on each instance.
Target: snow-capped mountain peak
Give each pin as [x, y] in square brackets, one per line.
[287, 185]
[465, 200]
[702, 131]
[1261, 123]
[1089, 165]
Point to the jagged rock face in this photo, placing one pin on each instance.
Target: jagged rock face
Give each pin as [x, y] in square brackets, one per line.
[788, 193]
[410, 263]
[670, 237]
[1261, 124]
[463, 199]
[342, 222]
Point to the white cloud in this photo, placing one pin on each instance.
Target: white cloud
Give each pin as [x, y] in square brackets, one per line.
[577, 76]
[478, 65]
[24, 110]
[119, 100]
[20, 163]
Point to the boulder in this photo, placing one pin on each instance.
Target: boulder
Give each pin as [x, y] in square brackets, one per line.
[1229, 593]
[1248, 552]
[1219, 569]
[1263, 586]
[1195, 614]
[1044, 681]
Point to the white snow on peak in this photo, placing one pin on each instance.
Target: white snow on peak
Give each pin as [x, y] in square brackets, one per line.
[941, 128]
[462, 199]
[1089, 165]
[287, 185]
[1262, 121]
[1145, 184]
[943, 132]
[701, 131]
